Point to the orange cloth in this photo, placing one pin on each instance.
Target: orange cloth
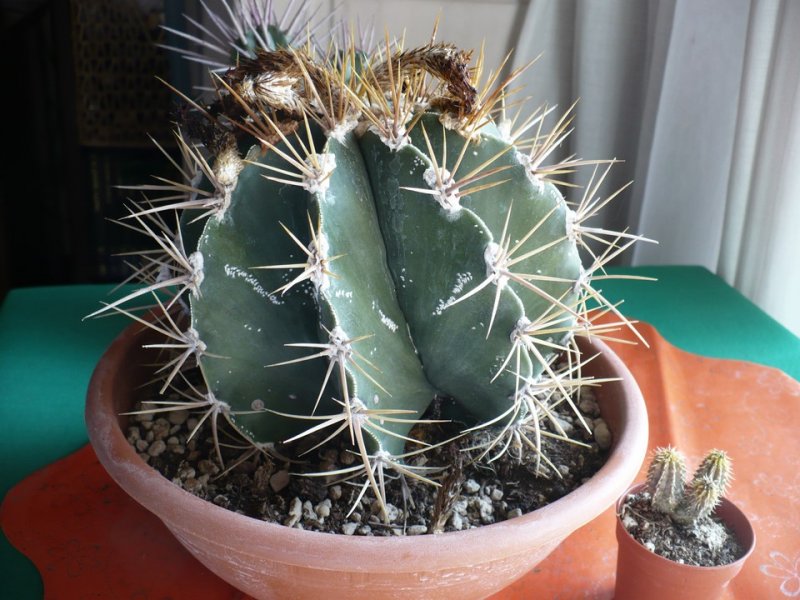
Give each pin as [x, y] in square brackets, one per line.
[88, 538]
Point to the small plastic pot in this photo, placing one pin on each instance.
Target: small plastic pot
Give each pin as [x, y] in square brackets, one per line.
[644, 574]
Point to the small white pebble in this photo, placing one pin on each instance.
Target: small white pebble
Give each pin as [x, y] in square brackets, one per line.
[145, 417]
[192, 485]
[497, 494]
[486, 511]
[602, 435]
[279, 480]
[323, 509]
[157, 448]
[178, 417]
[565, 425]
[589, 407]
[295, 512]
[335, 492]
[309, 514]
[392, 512]
[514, 513]
[207, 467]
[471, 486]
[416, 530]
[349, 528]
[161, 428]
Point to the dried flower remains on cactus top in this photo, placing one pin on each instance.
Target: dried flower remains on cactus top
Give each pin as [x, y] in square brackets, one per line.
[351, 234]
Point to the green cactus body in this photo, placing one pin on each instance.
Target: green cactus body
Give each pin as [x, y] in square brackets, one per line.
[716, 466]
[665, 479]
[702, 496]
[451, 339]
[435, 256]
[704, 491]
[418, 283]
[686, 503]
[361, 297]
[417, 230]
[248, 325]
[240, 316]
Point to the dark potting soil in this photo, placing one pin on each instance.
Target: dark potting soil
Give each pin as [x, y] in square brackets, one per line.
[266, 486]
[706, 543]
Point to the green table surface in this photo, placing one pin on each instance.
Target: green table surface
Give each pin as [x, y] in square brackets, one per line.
[47, 354]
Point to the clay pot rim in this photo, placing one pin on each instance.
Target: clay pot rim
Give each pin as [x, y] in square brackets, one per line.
[725, 503]
[144, 483]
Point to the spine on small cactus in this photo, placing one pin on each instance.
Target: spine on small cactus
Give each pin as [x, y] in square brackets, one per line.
[717, 466]
[706, 489]
[665, 479]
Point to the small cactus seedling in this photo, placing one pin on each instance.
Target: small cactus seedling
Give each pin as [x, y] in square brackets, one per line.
[354, 232]
[685, 502]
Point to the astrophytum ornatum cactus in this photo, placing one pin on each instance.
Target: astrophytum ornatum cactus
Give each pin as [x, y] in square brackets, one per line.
[353, 235]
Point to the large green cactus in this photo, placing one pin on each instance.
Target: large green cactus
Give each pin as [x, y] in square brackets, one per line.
[356, 235]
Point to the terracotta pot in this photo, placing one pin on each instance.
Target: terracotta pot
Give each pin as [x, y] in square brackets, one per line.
[644, 574]
[271, 561]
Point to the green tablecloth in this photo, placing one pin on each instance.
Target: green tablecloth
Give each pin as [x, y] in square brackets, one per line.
[47, 355]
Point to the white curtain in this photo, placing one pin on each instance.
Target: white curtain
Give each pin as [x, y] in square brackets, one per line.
[701, 99]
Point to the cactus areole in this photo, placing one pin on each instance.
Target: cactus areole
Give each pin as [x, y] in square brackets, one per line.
[351, 235]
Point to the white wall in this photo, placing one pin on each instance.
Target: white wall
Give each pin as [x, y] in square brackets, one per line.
[466, 23]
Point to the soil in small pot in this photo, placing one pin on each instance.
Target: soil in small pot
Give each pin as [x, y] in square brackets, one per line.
[266, 486]
[708, 542]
